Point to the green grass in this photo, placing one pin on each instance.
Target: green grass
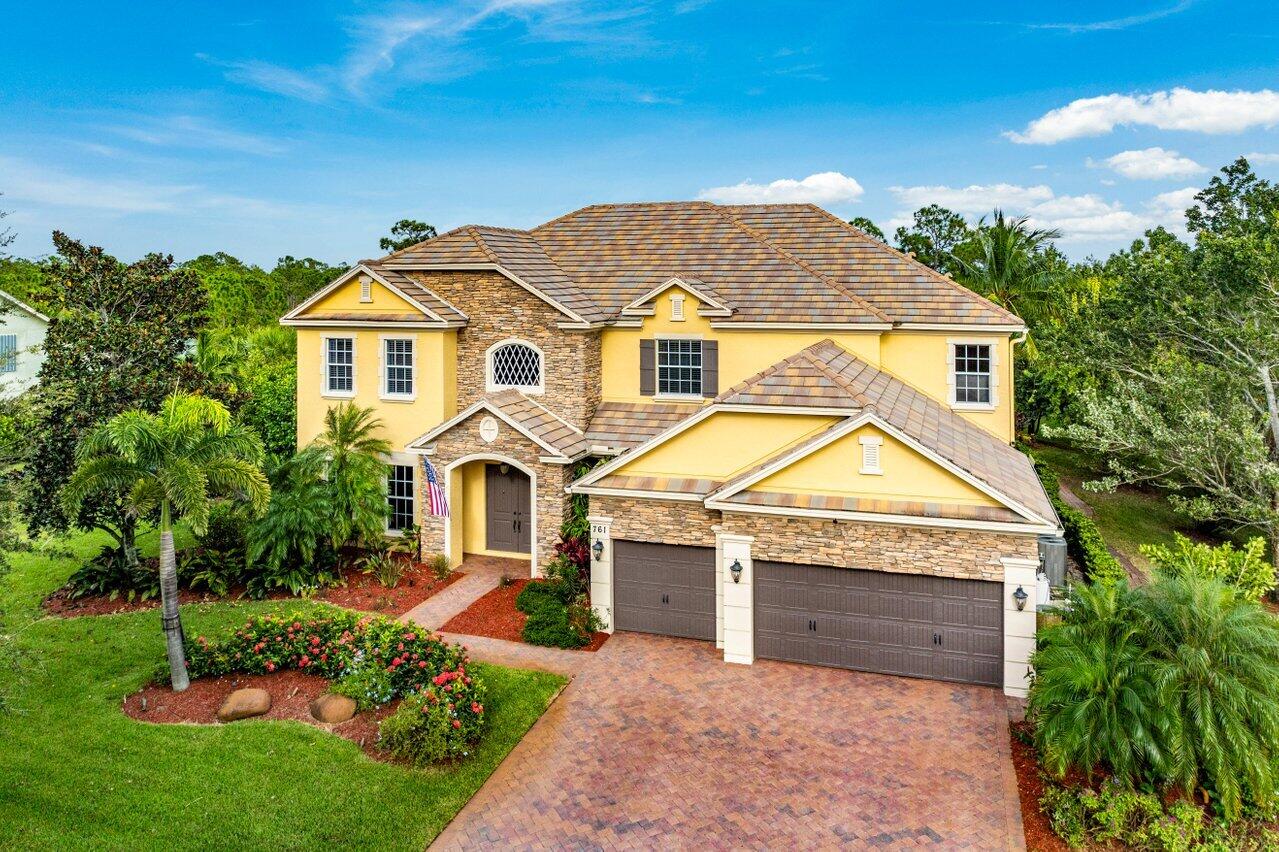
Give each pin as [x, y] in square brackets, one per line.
[77, 773]
[1126, 518]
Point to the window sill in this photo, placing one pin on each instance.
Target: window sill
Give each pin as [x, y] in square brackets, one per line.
[680, 397]
[398, 397]
[868, 472]
[337, 394]
[973, 406]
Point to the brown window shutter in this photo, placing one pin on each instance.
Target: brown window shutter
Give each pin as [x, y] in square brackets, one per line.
[710, 368]
[648, 368]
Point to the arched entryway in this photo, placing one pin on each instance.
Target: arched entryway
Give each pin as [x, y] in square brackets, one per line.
[493, 508]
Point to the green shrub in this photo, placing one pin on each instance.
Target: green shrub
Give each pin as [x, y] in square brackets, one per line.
[429, 726]
[439, 565]
[113, 572]
[1246, 569]
[553, 621]
[289, 545]
[536, 594]
[1083, 539]
[383, 563]
[1114, 815]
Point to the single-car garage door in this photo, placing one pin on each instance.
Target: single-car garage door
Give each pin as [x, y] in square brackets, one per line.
[875, 621]
[664, 588]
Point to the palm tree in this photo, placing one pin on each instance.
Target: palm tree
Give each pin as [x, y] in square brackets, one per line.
[1015, 268]
[351, 456]
[175, 461]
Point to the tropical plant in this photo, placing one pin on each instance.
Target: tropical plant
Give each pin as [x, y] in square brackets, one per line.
[289, 545]
[349, 455]
[175, 462]
[439, 565]
[1216, 674]
[1093, 697]
[114, 572]
[1245, 568]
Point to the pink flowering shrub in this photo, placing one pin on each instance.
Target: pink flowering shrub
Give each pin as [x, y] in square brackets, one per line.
[370, 658]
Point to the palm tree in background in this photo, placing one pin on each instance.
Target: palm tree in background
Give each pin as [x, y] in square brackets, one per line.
[1017, 268]
[176, 460]
[350, 454]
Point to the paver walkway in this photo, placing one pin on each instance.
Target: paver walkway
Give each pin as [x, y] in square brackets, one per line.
[483, 573]
[657, 743]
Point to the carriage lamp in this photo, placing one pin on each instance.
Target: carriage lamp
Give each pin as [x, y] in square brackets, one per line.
[1020, 597]
[736, 570]
[598, 549]
[504, 468]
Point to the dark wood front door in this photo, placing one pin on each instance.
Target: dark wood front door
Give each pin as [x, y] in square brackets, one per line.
[508, 515]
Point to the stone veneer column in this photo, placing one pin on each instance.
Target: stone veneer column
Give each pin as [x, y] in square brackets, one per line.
[602, 570]
[1019, 625]
[739, 597]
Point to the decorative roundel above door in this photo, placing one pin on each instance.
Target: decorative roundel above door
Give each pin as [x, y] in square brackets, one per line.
[488, 429]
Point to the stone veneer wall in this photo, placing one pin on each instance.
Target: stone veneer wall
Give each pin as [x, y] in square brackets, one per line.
[967, 554]
[552, 503]
[498, 309]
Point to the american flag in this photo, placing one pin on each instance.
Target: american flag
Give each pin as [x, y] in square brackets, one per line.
[435, 491]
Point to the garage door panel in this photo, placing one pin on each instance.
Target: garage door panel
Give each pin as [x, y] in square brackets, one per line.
[904, 624]
[663, 588]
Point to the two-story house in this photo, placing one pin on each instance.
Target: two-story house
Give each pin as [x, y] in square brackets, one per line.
[801, 436]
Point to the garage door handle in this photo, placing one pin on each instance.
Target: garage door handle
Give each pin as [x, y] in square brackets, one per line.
[936, 638]
[666, 599]
[812, 625]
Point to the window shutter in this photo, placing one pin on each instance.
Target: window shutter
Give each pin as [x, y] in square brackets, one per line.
[648, 368]
[710, 368]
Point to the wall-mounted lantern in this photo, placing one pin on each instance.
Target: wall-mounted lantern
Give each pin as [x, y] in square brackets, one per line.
[598, 549]
[736, 570]
[1020, 597]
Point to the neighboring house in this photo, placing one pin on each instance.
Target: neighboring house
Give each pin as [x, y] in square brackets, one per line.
[805, 434]
[22, 330]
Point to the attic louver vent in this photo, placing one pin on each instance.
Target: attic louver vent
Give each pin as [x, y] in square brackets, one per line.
[677, 308]
[366, 290]
[870, 455]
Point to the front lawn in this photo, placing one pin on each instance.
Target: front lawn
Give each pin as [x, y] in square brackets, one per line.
[78, 773]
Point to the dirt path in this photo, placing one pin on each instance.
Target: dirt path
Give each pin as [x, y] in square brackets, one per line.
[1136, 576]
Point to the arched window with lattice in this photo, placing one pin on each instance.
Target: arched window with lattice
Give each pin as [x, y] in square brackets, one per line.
[515, 364]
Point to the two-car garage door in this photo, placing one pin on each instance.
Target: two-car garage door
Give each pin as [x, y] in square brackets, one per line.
[875, 621]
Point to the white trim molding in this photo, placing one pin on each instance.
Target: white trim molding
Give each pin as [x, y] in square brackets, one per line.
[709, 306]
[951, 343]
[296, 316]
[325, 391]
[578, 321]
[447, 473]
[382, 393]
[872, 455]
[418, 444]
[602, 569]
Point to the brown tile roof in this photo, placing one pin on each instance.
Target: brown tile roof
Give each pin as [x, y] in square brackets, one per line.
[667, 484]
[814, 377]
[625, 424]
[424, 296]
[881, 507]
[549, 429]
[790, 263]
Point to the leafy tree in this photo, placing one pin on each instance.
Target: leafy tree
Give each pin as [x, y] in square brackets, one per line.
[175, 461]
[405, 233]
[117, 341]
[1244, 569]
[350, 455]
[297, 279]
[938, 238]
[869, 227]
[7, 236]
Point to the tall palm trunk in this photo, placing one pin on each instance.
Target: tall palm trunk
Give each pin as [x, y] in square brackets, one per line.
[170, 618]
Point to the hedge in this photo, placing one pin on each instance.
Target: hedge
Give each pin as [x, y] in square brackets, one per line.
[1083, 539]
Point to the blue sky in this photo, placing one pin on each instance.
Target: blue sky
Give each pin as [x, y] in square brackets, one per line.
[308, 128]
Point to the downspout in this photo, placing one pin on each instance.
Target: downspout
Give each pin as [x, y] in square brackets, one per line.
[1012, 391]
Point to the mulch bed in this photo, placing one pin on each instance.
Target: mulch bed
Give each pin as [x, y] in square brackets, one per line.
[362, 592]
[1030, 788]
[494, 615]
[291, 695]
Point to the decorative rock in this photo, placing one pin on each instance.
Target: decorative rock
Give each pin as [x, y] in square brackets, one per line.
[332, 709]
[244, 704]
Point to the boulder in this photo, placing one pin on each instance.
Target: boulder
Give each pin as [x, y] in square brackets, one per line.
[332, 709]
[244, 704]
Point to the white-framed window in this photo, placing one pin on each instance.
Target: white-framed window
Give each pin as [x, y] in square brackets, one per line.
[400, 497]
[871, 445]
[972, 377]
[398, 368]
[515, 364]
[8, 353]
[339, 366]
[677, 307]
[679, 366]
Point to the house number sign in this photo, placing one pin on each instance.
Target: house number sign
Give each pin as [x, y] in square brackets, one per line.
[488, 430]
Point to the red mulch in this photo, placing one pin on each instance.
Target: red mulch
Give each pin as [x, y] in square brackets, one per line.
[494, 615]
[1030, 788]
[362, 591]
[291, 695]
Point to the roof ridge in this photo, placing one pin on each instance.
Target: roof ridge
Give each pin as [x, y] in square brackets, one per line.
[450, 232]
[483, 246]
[805, 265]
[909, 258]
[548, 411]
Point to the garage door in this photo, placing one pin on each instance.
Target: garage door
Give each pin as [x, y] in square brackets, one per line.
[664, 588]
[874, 621]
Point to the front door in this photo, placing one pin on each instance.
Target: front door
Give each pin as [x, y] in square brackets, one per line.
[508, 516]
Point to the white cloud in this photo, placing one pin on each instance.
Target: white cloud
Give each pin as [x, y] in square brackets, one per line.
[820, 188]
[1078, 217]
[1210, 111]
[185, 131]
[1153, 164]
[974, 200]
[276, 79]
[1258, 157]
[1118, 23]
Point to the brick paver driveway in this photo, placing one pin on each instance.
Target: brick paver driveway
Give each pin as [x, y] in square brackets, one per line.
[659, 744]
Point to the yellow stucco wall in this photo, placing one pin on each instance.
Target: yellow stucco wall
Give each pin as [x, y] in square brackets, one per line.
[347, 298]
[474, 515]
[836, 470]
[918, 358]
[724, 444]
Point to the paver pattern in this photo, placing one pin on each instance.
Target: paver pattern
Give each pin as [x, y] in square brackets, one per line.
[657, 743]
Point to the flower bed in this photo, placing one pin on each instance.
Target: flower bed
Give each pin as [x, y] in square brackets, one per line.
[371, 659]
[495, 615]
